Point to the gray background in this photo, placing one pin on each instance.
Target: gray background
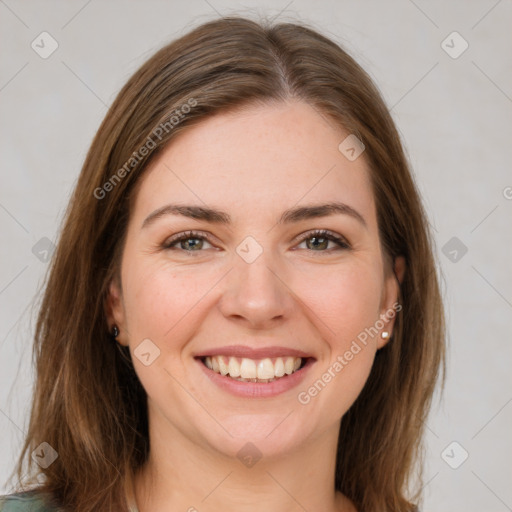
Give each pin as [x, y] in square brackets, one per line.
[453, 114]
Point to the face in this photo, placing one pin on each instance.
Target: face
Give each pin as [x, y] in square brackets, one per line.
[235, 268]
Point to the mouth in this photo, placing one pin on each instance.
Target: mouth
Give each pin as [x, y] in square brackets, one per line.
[261, 371]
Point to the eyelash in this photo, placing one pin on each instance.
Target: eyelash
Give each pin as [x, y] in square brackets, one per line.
[317, 233]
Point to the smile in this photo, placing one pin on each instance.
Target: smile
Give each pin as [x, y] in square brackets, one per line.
[254, 370]
[262, 372]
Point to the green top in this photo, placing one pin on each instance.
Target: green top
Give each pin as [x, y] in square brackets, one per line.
[28, 501]
[33, 501]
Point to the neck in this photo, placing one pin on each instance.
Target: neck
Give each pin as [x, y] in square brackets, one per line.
[180, 474]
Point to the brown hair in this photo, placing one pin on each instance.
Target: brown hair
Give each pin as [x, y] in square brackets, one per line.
[88, 403]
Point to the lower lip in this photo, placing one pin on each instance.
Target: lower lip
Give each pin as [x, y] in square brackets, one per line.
[257, 389]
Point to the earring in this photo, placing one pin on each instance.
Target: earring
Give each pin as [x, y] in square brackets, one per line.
[115, 331]
[384, 335]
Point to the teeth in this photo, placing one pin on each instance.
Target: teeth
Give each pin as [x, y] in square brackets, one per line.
[266, 369]
[288, 365]
[279, 367]
[249, 370]
[223, 367]
[234, 367]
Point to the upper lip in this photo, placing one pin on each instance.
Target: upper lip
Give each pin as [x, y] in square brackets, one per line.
[253, 353]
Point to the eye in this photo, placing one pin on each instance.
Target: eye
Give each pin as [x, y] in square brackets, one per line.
[318, 241]
[190, 241]
[321, 240]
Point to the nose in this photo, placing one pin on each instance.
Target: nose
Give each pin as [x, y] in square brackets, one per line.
[255, 294]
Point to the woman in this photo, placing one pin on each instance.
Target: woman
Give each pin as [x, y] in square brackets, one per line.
[243, 310]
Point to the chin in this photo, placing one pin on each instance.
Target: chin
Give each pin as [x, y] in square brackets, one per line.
[258, 435]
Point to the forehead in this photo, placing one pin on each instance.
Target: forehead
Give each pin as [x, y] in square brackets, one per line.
[261, 158]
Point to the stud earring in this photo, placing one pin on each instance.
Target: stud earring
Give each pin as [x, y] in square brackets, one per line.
[384, 335]
[115, 331]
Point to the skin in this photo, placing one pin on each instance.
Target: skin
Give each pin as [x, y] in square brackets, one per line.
[253, 164]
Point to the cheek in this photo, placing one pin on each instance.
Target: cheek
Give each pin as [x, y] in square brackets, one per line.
[164, 304]
[345, 304]
[159, 298]
[344, 300]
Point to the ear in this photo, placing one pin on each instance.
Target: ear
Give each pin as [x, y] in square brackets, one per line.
[390, 305]
[114, 309]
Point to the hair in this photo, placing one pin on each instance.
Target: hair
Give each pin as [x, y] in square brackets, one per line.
[88, 403]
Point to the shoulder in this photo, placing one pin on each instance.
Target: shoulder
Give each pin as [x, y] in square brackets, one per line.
[27, 501]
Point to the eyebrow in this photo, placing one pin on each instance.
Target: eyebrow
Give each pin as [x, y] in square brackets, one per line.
[288, 216]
